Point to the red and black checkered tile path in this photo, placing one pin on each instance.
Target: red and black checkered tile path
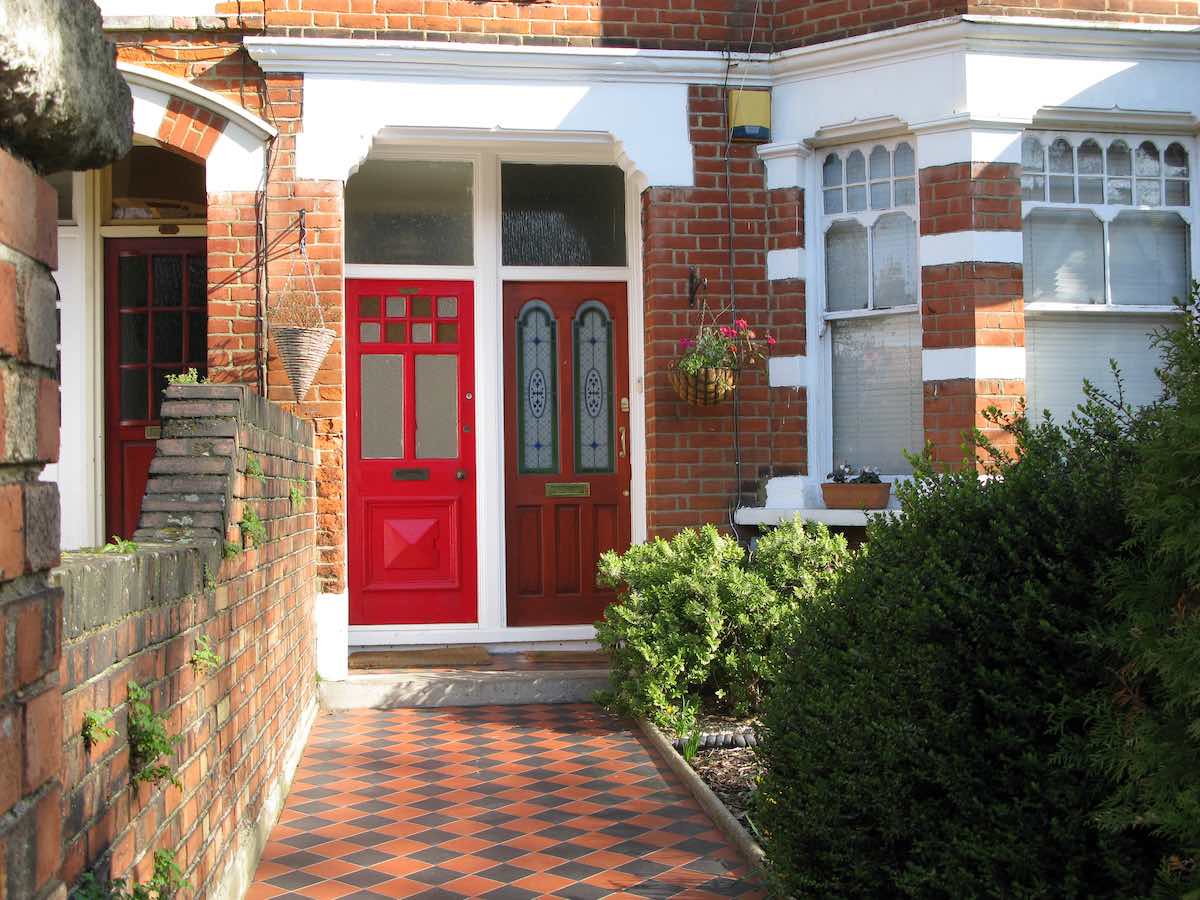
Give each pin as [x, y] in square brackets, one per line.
[502, 802]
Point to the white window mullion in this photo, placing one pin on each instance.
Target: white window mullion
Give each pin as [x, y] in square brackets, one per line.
[1108, 298]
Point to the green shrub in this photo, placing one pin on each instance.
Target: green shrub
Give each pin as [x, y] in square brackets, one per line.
[165, 883]
[149, 740]
[1147, 733]
[914, 738]
[697, 621]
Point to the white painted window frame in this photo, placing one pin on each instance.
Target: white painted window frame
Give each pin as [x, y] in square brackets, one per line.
[818, 317]
[488, 276]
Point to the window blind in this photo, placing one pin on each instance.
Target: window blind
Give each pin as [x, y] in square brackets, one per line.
[1062, 349]
[1064, 257]
[1149, 258]
[877, 391]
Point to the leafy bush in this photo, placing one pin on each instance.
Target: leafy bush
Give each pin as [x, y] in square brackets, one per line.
[149, 740]
[164, 884]
[914, 740]
[1147, 733]
[697, 621]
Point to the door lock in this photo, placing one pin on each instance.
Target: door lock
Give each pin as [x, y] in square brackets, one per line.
[621, 432]
[461, 474]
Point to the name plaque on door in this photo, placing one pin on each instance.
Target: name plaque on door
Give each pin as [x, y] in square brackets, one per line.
[410, 474]
[568, 489]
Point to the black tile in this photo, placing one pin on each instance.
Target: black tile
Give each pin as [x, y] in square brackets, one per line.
[503, 852]
[365, 878]
[433, 837]
[369, 838]
[434, 855]
[300, 859]
[644, 868]
[574, 870]
[365, 857]
[434, 875]
[508, 892]
[292, 881]
[505, 873]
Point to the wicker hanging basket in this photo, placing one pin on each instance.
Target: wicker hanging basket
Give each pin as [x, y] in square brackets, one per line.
[301, 350]
[704, 387]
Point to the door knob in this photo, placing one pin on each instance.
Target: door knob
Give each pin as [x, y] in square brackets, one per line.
[461, 474]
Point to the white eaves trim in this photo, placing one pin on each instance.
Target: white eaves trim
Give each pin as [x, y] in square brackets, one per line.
[971, 246]
[952, 363]
[185, 90]
[416, 59]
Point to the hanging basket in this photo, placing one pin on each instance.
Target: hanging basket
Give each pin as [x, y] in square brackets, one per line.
[704, 387]
[301, 350]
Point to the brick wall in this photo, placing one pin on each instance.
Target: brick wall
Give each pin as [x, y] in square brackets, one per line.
[690, 450]
[30, 608]
[138, 617]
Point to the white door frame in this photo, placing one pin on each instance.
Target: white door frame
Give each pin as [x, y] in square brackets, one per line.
[488, 275]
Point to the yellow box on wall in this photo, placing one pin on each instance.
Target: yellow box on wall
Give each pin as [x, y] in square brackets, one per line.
[750, 115]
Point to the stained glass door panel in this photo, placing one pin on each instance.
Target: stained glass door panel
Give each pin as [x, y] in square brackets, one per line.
[567, 447]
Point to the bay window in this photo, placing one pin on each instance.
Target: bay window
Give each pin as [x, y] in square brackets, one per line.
[869, 198]
[1107, 235]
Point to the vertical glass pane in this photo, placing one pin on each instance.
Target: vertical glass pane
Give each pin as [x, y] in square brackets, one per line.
[1149, 258]
[1091, 158]
[856, 198]
[831, 171]
[537, 390]
[877, 391]
[134, 384]
[905, 163]
[1149, 193]
[381, 393]
[134, 333]
[410, 213]
[396, 307]
[395, 332]
[881, 194]
[906, 192]
[1145, 160]
[881, 163]
[131, 281]
[856, 168]
[1176, 162]
[168, 281]
[1033, 187]
[447, 332]
[1178, 193]
[833, 200]
[894, 261]
[152, 183]
[422, 307]
[1061, 158]
[197, 281]
[846, 266]
[1033, 157]
[1119, 162]
[562, 215]
[368, 306]
[168, 337]
[1064, 257]
[447, 307]
[593, 390]
[1062, 189]
[1091, 190]
[368, 332]
[436, 385]
[422, 333]
[1120, 191]
[198, 338]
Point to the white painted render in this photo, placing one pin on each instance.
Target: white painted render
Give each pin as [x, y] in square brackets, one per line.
[783, 264]
[157, 7]
[787, 371]
[947, 363]
[968, 246]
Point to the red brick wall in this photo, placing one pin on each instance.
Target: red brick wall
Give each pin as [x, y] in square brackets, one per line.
[798, 23]
[30, 611]
[690, 450]
[970, 197]
[138, 618]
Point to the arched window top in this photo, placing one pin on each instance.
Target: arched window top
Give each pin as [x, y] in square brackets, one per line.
[861, 179]
[1111, 171]
[856, 168]
[881, 163]
[831, 172]
[152, 183]
[1033, 157]
[905, 162]
[1176, 160]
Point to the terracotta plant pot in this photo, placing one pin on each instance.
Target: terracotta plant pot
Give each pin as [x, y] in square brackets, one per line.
[705, 387]
[855, 496]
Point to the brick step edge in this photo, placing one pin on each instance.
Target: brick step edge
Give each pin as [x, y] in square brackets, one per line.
[741, 839]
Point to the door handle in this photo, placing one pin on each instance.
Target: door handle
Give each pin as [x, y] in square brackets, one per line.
[621, 432]
[461, 474]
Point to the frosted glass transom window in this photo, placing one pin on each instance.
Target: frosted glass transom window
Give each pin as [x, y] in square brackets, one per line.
[1113, 171]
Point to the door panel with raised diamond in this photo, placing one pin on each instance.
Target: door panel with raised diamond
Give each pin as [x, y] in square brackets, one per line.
[567, 447]
[410, 453]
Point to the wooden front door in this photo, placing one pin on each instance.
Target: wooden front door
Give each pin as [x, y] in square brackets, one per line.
[410, 443]
[155, 325]
[566, 389]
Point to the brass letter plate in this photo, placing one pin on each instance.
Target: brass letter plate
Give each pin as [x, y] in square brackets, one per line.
[410, 474]
[153, 432]
[568, 489]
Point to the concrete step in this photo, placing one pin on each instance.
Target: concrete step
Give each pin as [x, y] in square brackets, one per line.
[365, 689]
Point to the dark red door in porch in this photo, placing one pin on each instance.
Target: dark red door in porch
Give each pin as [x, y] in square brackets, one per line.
[410, 443]
[566, 389]
[155, 325]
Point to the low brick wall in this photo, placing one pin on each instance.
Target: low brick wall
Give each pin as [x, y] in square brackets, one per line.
[138, 616]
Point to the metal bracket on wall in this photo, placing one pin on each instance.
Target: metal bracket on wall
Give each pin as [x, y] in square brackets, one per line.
[696, 284]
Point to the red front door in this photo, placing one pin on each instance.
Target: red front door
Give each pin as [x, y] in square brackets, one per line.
[566, 389]
[410, 440]
[155, 325]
